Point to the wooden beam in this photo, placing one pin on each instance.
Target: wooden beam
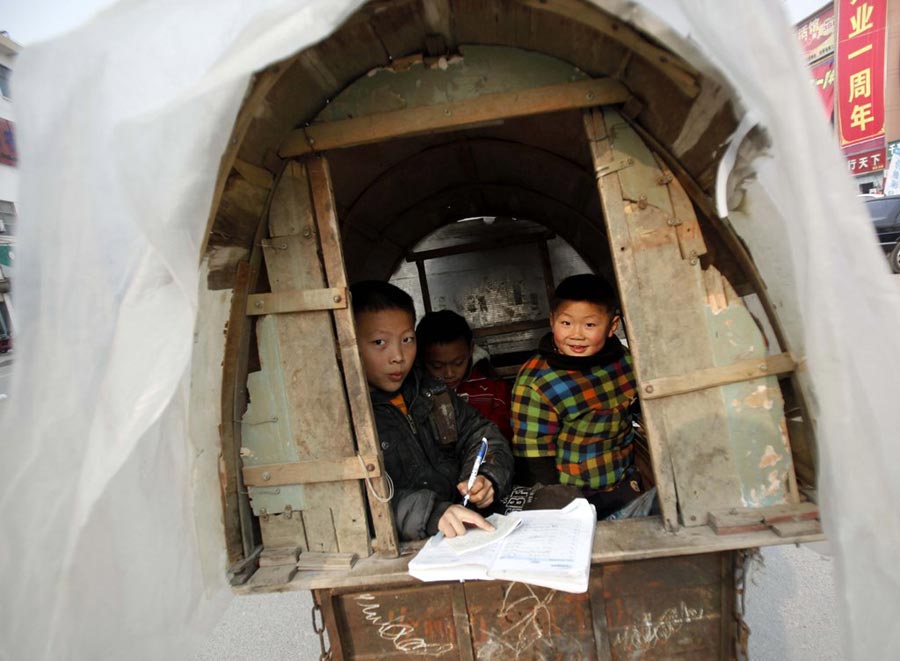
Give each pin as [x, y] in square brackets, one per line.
[475, 246]
[712, 377]
[297, 300]
[454, 115]
[309, 472]
[423, 285]
[255, 174]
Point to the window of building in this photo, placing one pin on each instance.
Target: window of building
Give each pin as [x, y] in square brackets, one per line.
[5, 77]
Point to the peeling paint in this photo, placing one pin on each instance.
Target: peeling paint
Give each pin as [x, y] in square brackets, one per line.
[769, 458]
[760, 398]
[246, 452]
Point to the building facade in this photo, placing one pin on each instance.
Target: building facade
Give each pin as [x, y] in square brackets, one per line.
[9, 184]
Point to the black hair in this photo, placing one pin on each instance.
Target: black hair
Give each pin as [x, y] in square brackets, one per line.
[376, 296]
[588, 288]
[442, 327]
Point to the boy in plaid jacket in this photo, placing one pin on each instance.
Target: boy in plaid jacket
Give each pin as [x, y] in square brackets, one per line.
[571, 401]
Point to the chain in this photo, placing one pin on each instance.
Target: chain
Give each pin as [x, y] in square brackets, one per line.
[319, 628]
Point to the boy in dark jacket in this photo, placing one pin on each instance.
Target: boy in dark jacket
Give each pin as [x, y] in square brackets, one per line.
[571, 403]
[429, 438]
[447, 351]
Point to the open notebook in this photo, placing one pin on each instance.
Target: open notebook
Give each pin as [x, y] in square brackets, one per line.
[550, 548]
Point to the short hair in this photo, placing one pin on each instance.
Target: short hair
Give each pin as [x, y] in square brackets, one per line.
[377, 295]
[588, 288]
[442, 327]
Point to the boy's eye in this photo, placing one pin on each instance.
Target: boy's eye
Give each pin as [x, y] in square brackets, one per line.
[409, 340]
[378, 343]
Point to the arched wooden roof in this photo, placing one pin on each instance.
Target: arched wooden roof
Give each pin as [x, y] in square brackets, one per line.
[391, 194]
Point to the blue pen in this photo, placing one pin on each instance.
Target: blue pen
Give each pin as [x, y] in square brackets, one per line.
[478, 461]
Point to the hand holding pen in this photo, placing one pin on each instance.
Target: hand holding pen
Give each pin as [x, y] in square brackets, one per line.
[478, 488]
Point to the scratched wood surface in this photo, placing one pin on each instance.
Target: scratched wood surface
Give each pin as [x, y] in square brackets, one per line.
[650, 609]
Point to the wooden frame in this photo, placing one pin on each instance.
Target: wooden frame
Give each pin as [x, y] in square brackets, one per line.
[451, 116]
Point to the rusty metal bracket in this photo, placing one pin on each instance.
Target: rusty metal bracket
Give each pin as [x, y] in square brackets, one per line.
[309, 300]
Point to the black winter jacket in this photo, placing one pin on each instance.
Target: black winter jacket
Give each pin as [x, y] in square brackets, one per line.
[425, 463]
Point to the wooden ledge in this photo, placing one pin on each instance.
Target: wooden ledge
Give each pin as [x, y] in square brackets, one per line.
[614, 541]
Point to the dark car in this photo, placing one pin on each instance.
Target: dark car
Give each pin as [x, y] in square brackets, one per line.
[885, 214]
[5, 343]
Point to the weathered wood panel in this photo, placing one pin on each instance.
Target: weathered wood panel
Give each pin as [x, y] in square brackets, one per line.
[726, 446]
[652, 609]
[299, 412]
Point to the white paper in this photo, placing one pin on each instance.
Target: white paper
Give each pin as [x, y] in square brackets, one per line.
[477, 538]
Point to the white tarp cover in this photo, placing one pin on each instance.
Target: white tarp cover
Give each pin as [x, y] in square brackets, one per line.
[121, 126]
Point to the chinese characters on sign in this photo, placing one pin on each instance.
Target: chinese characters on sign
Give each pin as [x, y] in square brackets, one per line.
[823, 76]
[860, 70]
[816, 34]
[867, 161]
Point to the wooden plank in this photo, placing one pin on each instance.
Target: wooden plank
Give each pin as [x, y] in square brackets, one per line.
[614, 541]
[452, 116]
[609, 26]
[239, 535]
[275, 557]
[334, 517]
[461, 622]
[629, 294]
[712, 377]
[476, 246]
[311, 561]
[547, 269]
[266, 577]
[794, 528]
[310, 472]
[739, 519]
[297, 301]
[357, 389]
[325, 600]
[292, 211]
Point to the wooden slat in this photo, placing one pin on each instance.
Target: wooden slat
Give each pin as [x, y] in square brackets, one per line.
[712, 377]
[614, 211]
[514, 327]
[239, 537]
[454, 115]
[386, 541]
[255, 174]
[461, 622]
[317, 420]
[748, 519]
[276, 557]
[310, 472]
[310, 561]
[297, 301]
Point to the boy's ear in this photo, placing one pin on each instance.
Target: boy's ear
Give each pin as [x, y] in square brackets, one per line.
[614, 324]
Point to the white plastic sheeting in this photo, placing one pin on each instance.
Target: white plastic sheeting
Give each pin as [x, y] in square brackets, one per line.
[122, 124]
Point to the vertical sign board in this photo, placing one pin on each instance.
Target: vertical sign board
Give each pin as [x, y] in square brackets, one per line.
[861, 37]
[816, 37]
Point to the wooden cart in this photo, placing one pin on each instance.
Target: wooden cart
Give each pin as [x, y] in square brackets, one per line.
[587, 144]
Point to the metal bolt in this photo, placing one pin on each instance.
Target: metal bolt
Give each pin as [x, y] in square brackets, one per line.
[259, 304]
[307, 232]
[762, 367]
[448, 112]
[648, 389]
[370, 467]
[642, 202]
[694, 258]
[266, 476]
[337, 298]
[589, 96]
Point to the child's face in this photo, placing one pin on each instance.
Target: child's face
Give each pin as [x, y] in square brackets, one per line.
[581, 328]
[448, 361]
[387, 346]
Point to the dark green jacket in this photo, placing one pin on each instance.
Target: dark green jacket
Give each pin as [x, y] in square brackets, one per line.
[429, 451]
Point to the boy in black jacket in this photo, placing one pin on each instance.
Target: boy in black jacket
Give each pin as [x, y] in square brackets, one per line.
[429, 437]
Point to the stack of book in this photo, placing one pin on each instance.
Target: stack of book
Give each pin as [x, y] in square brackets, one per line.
[550, 548]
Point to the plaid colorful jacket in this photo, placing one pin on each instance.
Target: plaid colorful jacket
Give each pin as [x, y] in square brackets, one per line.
[576, 410]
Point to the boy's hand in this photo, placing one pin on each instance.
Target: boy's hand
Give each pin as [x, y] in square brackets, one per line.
[454, 521]
[482, 492]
